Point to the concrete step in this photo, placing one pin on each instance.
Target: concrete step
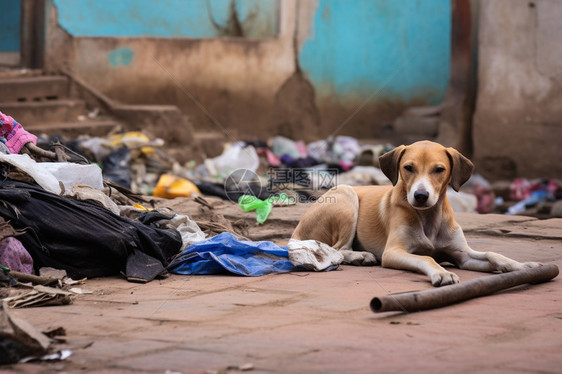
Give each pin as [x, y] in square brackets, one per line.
[74, 129]
[39, 112]
[29, 89]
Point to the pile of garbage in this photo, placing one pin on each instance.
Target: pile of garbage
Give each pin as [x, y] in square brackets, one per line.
[81, 207]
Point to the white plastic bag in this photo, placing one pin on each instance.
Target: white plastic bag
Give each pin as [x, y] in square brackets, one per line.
[235, 157]
[48, 174]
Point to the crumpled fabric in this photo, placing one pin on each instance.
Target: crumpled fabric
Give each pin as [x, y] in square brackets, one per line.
[188, 229]
[14, 255]
[313, 255]
[14, 134]
[224, 253]
[83, 238]
[82, 192]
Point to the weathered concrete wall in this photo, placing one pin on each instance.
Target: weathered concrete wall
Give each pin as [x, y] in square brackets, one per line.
[235, 79]
[383, 55]
[518, 120]
[301, 76]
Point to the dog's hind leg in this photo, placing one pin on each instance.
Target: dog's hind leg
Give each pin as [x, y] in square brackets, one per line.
[467, 258]
[332, 219]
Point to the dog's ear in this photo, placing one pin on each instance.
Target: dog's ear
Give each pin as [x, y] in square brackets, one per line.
[461, 168]
[389, 163]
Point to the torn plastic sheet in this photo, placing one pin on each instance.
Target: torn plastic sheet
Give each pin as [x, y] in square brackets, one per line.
[49, 174]
[224, 253]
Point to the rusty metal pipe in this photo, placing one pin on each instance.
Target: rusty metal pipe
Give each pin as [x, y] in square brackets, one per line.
[443, 296]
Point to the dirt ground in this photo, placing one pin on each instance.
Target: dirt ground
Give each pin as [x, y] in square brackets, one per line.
[308, 322]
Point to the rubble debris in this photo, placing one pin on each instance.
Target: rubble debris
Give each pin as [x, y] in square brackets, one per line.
[18, 339]
[36, 296]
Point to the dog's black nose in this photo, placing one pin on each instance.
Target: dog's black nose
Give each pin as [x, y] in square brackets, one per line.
[421, 196]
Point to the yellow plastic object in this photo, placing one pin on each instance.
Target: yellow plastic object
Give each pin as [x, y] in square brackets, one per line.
[170, 186]
[132, 139]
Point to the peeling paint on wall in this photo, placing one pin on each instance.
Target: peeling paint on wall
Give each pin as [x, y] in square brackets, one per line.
[121, 56]
[169, 18]
[400, 48]
[10, 14]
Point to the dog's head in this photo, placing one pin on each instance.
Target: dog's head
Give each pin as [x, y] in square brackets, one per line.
[426, 168]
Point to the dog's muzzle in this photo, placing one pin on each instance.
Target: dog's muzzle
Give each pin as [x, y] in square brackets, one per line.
[421, 196]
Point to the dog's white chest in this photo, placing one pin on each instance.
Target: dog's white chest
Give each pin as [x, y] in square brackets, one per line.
[425, 242]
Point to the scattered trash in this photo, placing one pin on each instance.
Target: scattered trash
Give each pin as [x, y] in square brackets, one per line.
[250, 203]
[57, 356]
[39, 295]
[282, 146]
[116, 167]
[461, 201]
[481, 188]
[19, 339]
[170, 186]
[80, 291]
[263, 208]
[363, 176]
[235, 157]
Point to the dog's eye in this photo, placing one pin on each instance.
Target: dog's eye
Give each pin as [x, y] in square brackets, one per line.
[409, 168]
[439, 170]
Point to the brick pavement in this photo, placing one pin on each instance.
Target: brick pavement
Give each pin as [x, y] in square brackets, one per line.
[316, 322]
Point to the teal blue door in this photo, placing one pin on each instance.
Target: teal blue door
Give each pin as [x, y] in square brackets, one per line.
[10, 21]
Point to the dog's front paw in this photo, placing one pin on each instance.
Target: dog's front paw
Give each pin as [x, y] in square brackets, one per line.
[369, 259]
[359, 258]
[444, 278]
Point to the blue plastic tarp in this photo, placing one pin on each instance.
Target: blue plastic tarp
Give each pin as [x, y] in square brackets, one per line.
[226, 254]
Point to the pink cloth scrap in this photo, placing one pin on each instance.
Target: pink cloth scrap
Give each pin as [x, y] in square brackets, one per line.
[14, 134]
[14, 255]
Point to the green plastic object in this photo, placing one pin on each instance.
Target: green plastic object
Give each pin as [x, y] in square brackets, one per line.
[262, 207]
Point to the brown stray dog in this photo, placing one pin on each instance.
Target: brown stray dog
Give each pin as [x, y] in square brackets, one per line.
[409, 225]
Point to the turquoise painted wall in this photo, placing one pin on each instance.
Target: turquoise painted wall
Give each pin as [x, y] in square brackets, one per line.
[356, 49]
[10, 14]
[397, 49]
[167, 18]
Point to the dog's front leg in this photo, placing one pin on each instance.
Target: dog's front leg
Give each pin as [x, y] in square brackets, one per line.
[469, 259]
[397, 257]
